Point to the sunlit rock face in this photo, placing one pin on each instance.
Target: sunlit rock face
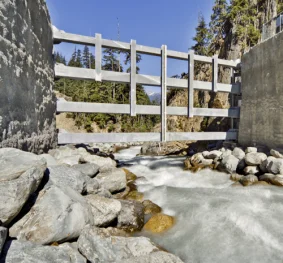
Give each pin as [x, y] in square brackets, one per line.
[27, 103]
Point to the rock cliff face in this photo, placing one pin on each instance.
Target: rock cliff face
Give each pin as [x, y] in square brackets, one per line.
[27, 103]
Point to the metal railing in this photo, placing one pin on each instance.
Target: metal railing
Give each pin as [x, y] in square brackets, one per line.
[273, 27]
[98, 74]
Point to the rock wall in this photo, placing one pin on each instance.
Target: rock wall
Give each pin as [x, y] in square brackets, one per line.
[262, 81]
[27, 102]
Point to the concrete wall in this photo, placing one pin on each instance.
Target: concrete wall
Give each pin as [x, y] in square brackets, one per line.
[27, 102]
[261, 121]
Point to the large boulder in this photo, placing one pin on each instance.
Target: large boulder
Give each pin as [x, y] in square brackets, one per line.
[275, 166]
[229, 164]
[276, 154]
[89, 169]
[28, 252]
[272, 179]
[102, 245]
[255, 159]
[104, 210]
[151, 208]
[251, 170]
[131, 216]
[14, 162]
[155, 257]
[212, 155]
[63, 175]
[50, 160]
[3, 236]
[58, 215]
[248, 180]
[113, 180]
[72, 250]
[16, 192]
[251, 150]
[239, 153]
[266, 163]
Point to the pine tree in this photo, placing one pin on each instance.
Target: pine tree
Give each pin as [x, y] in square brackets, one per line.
[79, 63]
[73, 60]
[86, 57]
[111, 61]
[128, 60]
[202, 37]
[59, 58]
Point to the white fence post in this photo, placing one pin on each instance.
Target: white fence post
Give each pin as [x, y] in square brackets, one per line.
[191, 84]
[98, 55]
[133, 90]
[215, 72]
[163, 93]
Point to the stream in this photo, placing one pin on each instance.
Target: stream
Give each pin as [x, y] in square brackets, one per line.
[215, 222]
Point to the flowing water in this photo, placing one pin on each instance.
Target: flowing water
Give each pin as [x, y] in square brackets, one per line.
[214, 221]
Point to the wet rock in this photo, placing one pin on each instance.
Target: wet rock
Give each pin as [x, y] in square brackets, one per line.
[248, 180]
[211, 155]
[89, 169]
[113, 180]
[104, 210]
[239, 153]
[151, 208]
[14, 162]
[123, 194]
[155, 257]
[135, 195]
[197, 159]
[241, 165]
[236, 177]
[159, 223]
[229, 164]
[276, 154]
[63, 175]
[187, 164]
[102, 245]
[129, 175]
[59, 214]
[131, 217]
[254, 159]
[71, 249]
[3, 236]
[251, 150]
[251, 170]
[261, 183]
[28, 252]
[15, 193]
[272, 179]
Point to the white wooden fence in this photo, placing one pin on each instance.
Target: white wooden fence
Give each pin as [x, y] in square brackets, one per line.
[133, 78]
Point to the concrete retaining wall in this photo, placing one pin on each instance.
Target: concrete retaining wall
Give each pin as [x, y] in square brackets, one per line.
[261, 121]
[27, 102]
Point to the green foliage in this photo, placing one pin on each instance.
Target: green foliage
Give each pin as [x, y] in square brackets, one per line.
[202, 37]
[279, 6]
[91, 91]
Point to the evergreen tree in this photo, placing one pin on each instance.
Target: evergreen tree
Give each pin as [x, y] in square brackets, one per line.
[73, 60]
[110, 60]
[202, 37]
[59, 58]
[279, 6]
[128, 60]
[79, 62]
[86, 57]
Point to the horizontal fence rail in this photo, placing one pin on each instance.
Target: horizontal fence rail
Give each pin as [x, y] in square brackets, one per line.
[163, 81]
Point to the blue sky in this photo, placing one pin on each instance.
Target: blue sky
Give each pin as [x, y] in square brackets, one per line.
[149, 22]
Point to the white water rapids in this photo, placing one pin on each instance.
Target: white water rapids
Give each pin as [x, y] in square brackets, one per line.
[215, 222]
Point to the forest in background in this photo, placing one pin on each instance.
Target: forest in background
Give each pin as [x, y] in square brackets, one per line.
[234, 27]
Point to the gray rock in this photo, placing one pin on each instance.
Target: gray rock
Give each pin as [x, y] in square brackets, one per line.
[241, 165]
[251, 150]
[92, 185]
[15, 193]
[89, 169]
[211, 155]
[63, 175]
[275, 166]
[3, 236]
[27, 252]
[104, 210]
[266, 163]
[58, 215]
[248, 180]
[71, 249]
[14, 162]
[100, 245]
[104, 193]
[131, 216]
[70, 160]
[276, 154]
[255, 158]
[239, 153]
[229, 164]
[113, 180]
[251, 170]
[226, 153]
[100, 161]
[272, 179]
[155, 257]
[50, 160]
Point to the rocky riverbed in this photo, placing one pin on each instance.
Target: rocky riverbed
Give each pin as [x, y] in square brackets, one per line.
[73, 206]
